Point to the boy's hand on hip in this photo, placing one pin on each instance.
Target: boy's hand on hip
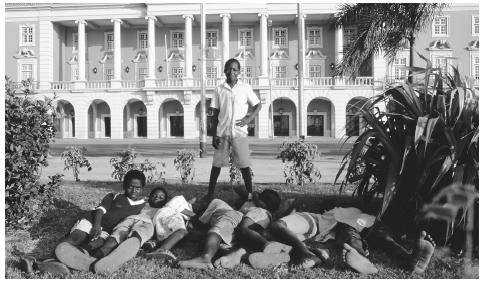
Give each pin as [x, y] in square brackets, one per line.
[216, 141]
[243, 122]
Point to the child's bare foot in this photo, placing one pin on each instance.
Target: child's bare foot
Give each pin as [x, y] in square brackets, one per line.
[357, 261]
[305, 261]
[422, 253]
[265, 260]
[201, 262]
[230, 260]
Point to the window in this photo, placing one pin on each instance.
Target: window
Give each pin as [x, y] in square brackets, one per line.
[350, 35]
[280, 37]
[314, 37]
[75, 42]
[442, 63]
[108, 74]
[475, 68]
[142, 73]
[245, 38]
[74, 73]
[211, 72]
[440, 26]
[177, 72]
[211, 39]
[279, 72]
[315, 71]
[27, 35]
[108, 40]
[27, 71]
[400, 72]
[475, 26]
[177, 39]
[142, 40]
[246, 71]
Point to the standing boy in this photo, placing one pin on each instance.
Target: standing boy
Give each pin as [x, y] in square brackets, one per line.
[230, 105]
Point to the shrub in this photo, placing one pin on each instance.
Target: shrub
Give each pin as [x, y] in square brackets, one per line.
[124, 161]
[235, 173]
[184, 163]
[74, 159]
[29, 127]
[301, 155]
[424, 140]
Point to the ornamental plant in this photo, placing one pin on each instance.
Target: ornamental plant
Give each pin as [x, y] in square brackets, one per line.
[125, 161]
[300, 168]
[424, 138]
[184, 163]
[75, 158]
[29, 127]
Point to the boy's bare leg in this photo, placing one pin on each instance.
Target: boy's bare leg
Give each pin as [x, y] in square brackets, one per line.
[164, 250]
[123, 252]
[303, 257]
[248, 180]
[204, 261]
[230, 260]
[109, 245]
[251, 240]
[215, 171]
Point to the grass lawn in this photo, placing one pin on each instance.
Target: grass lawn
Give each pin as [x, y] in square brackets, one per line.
[77, 197]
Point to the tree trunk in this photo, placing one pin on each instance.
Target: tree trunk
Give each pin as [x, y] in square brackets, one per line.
[411, 57]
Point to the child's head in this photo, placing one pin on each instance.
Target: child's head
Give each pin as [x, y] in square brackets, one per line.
[271, 199]
[158, 197]
[133, 184]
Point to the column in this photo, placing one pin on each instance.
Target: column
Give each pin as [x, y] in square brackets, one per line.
[151, 46]
[116, 49]
[339, 44]
[152, 122]
[46, 59]
[264, 124]
[81, 59]
[81, 122]
[95, 120]
[225, 39]
[117, 121]
[379, 70]
[188, 45]
[189, 121]
[263, 32]
[301, 72]
[340, 118]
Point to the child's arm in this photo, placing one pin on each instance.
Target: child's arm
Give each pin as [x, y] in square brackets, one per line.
[98, 215]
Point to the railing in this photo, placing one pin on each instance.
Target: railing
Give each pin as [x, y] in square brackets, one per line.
[97, 84]
[132, 84]
[284, 82]
[321, 81]
[61, 85]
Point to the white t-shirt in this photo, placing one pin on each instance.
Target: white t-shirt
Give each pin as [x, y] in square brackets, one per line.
[233, 105]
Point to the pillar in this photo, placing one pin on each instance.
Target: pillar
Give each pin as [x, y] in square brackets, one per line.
[188, 45]
[225, 38]
[263, 31]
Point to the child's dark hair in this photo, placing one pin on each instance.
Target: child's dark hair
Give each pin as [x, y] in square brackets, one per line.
[162, 189]
[134, 174]
[229, 62]
[271, 199]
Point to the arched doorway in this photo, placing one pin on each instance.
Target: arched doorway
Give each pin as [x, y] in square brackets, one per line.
[99, 120]
[284, 117]
[135, 117]
[319, 118]
[354, 121]
[171, 119]
[66, 122]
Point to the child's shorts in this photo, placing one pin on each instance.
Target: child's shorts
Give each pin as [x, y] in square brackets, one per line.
[86, 226]
[240, 152]
[167, 221]
[260, 216]
[224, 225]
[303, 224]
[127, 227]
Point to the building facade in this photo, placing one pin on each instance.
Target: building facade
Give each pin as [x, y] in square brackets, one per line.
[134, 70]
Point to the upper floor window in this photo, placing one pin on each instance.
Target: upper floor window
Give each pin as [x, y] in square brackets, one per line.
[142, 40]
[142, 73]
[440, 26]
[314, 37]
[211, 72]
[108, 40]
[74, 73]
[280, 37]
[177, 39]
[245, 38]
[27, 35]
[75, 42]
[27, 71]
[211, 38]
[400, 72]
[177, 72]
[279, 72]
[350, 34]
[475, 26]
[246, 71]
[475, 68]
[443, 62]
[108, 74]
[315, 71]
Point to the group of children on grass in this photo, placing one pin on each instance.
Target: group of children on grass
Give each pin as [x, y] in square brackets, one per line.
[261, 231]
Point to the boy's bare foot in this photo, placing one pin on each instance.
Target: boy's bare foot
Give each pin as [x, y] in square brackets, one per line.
[422, 253]
[357, 261]
[276, 247]
[265, 260]
[230, 260]
[162, 255]
[201, 262]
[305, 261]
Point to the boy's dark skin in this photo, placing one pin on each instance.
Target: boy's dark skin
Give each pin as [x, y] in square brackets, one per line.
[232, 71]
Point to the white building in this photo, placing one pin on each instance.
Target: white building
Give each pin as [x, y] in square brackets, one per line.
[133, 70]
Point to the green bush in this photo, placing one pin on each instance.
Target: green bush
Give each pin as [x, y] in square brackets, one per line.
[184, 163]
[424, 140]
[29, 127]
[124, 161]
[301, 170]
[74, 159]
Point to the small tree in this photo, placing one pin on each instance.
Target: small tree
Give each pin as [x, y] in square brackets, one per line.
[124, 161]
[74, 159]
[184, 163]
[29, 127]
[301, 155]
